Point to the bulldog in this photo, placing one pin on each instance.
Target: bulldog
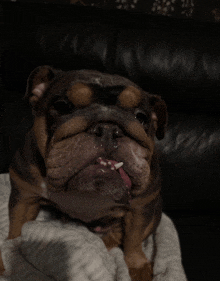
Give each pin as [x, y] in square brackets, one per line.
[90, 153]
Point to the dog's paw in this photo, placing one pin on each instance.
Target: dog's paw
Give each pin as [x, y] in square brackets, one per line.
[144, 273]
[140, 269]
[112, 240]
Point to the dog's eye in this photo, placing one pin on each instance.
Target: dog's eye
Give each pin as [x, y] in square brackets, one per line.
[142, 117]
[63, 106]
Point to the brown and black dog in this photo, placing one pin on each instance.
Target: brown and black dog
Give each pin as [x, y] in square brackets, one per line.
[91, 154]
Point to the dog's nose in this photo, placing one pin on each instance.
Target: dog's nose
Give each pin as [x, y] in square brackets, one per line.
[107, 132]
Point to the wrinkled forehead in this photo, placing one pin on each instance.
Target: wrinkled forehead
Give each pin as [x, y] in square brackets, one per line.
[85, 87]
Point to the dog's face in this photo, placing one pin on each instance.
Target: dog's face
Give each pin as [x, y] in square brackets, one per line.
[95, 131]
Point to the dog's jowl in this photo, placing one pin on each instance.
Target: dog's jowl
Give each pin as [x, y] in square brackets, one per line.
[90, 153]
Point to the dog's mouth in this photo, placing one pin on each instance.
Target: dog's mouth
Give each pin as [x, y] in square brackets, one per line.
[116, 166]
[84, 164]
[105, 176]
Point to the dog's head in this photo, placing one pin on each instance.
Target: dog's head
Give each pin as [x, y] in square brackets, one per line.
[95, 131]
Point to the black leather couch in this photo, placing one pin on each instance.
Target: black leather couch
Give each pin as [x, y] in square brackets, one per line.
[177, 59]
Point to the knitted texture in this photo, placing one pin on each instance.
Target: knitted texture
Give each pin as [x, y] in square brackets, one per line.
[52, 250]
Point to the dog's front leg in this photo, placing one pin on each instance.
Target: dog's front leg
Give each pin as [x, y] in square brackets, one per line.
[20, 212]
[24, 203]
[136, 231]
[18, 216]
[112, 239]
[23, 211]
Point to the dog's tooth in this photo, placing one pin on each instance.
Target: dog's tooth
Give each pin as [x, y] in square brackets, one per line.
[103, 163]
[109, 163]
[112, 168]
[118, 165]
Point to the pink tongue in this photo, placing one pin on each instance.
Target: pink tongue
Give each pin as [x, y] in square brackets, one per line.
[124, 176]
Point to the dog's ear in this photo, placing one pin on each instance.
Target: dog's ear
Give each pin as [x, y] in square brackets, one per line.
[159, 115]
[38, 82]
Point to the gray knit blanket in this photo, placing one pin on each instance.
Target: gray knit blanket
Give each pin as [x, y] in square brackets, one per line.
[51, 250]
